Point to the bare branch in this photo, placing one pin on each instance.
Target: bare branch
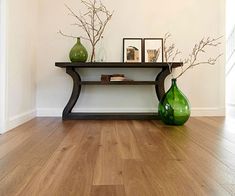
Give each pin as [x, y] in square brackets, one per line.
[199, 48]
[71, 36]
[65, 35]
[93, 21]
[170, 53]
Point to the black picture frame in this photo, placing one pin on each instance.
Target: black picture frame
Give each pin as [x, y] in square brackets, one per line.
[153, 50]
[133, 50]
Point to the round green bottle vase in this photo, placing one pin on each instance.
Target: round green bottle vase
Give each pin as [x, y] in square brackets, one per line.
[174, 108]
[78, 53]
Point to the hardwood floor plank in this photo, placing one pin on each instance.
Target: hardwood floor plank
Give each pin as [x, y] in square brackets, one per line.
[136, 180]
[108, 190]
[18, 179]
[225, 128]
[214, 142]
[14, 157]
[32, 161]
[220, 134]
[205, 168]
[162, 165]
[25, 133]
[70, 170]
[142, 136]
[230, 188]
[109, 165]
[153, 149]
[126, 141]
[18, 130]
[49, 157]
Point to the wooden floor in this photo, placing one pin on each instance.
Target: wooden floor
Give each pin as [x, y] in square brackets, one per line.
[118, 158]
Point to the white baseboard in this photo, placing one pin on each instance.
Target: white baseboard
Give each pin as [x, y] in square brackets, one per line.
[49, 112]
[57, 112]
[208, 111]
[20, 119]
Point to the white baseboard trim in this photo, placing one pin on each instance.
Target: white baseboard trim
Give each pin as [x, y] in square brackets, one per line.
[20, 119]
[208, 111]
[57, 112]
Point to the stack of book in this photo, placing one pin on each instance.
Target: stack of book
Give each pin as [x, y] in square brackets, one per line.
[117, 77]
[114, 77]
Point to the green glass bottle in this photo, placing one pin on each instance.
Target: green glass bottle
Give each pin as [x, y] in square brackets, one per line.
[174, 108]
[78, 53]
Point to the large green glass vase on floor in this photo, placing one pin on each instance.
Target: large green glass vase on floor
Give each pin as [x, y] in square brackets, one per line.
[78, 53]
[174, 108]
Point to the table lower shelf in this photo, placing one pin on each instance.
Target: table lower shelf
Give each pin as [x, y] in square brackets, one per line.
[111, 116]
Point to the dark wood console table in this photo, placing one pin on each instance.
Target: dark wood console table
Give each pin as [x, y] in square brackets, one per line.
[72, 70]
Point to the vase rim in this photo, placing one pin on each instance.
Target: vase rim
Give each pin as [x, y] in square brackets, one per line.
[78, 40]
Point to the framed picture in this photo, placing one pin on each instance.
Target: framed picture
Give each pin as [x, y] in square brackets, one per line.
[153, 50]
[132, 50]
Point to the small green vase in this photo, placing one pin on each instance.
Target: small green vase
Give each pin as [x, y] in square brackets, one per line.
[174, 108]
[78, 53]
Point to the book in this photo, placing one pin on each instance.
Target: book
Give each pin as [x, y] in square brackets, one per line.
[117, 78]
[113, 77]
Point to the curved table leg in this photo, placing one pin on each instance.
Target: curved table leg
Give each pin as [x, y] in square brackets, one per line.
[75, 93]
[160, 79]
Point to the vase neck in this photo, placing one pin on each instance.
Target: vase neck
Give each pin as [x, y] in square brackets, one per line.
[173, 82]
[78, 40]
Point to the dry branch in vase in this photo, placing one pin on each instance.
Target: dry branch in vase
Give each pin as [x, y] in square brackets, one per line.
[93, 22]
[170, 53]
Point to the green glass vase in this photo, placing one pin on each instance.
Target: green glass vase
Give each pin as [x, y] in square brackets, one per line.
[78, 53]
[174, 108]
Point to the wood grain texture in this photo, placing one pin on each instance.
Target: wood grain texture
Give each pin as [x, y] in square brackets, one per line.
[108, 190]
[49, 157]
[109, 165]
[127, 143]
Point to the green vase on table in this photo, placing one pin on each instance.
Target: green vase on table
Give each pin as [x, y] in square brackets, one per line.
[174, 108]
[78, 53]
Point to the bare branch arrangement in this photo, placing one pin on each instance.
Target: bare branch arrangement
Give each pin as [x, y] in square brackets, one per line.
[93, 22]
[170, 53]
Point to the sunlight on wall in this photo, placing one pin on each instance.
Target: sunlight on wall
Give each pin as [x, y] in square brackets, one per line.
[230, 16]
[230, 64]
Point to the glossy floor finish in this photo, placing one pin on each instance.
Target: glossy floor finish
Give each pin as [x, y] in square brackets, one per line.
[118, 158]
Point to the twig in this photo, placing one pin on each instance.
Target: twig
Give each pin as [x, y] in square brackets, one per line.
[170, 53]
[71, 36]
[93, 22]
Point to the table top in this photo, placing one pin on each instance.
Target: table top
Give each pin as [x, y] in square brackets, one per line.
[117, 65]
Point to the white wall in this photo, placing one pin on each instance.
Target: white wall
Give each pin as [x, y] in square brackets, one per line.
[187, 20]
[3, 72]
[21, 45]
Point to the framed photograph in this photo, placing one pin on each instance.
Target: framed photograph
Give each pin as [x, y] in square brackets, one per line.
[132, 50]
[153, 50]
